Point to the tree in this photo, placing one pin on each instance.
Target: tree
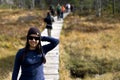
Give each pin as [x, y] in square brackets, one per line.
[113, 6]
[98, 8]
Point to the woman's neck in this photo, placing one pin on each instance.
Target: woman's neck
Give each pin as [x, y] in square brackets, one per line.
[32, 48]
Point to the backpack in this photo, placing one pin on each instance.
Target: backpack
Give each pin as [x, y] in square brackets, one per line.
[49, 19]
[58, 8]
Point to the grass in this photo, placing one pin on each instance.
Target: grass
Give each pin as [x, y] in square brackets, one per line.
[90, 48]
[13, 30]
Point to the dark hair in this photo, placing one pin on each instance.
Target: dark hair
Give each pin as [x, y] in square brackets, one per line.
[48, 14]
[34, 30]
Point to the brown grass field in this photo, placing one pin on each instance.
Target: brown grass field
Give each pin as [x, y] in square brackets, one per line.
[90, 48]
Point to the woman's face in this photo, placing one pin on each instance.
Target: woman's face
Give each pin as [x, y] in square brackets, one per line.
[33, 40]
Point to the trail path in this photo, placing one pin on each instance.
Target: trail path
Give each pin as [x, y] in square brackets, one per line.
[51, 68]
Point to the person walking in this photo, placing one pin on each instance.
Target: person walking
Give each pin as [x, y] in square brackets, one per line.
[58, 10]
[62, 11]
[72, 8]
[49, 20]
[52, 10]
[31, 58]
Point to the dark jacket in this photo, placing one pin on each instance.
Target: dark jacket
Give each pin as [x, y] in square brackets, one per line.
[31, 66]
[49, 20]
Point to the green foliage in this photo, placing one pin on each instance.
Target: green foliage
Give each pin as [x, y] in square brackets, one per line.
[75, 2]
[85, 65]
[6, 6]
[28, 3]
[85, 6]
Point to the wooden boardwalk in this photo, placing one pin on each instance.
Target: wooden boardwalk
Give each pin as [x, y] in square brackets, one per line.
[51, 68]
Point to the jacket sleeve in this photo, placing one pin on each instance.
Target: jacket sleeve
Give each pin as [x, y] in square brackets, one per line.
[52, 43]
[16, 68]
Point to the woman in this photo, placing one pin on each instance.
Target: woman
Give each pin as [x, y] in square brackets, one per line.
[32, 56]
[49, 20]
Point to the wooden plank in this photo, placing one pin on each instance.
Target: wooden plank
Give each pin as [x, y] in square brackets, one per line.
[54, 53]
[53, 60]
[52, 77]
[48, 66]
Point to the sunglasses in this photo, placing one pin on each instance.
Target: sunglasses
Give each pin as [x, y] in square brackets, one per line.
[31, 38]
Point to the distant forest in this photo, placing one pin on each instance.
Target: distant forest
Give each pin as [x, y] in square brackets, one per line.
[84, 6]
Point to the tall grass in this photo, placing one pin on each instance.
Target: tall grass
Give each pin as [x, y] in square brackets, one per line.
[90, 48]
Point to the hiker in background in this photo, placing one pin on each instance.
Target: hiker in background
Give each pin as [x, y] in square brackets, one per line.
[62, 11]
[49, 20]
[58, 9]
[32, 57]
[68, 7]
[72, 8]
[52, 10]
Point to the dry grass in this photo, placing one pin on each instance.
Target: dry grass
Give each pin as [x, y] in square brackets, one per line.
[13, 30]
[90, 39]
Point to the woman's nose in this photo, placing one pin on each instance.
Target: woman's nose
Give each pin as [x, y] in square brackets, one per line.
[33, 39]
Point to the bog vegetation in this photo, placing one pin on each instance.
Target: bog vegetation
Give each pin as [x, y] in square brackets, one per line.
[89, 48]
